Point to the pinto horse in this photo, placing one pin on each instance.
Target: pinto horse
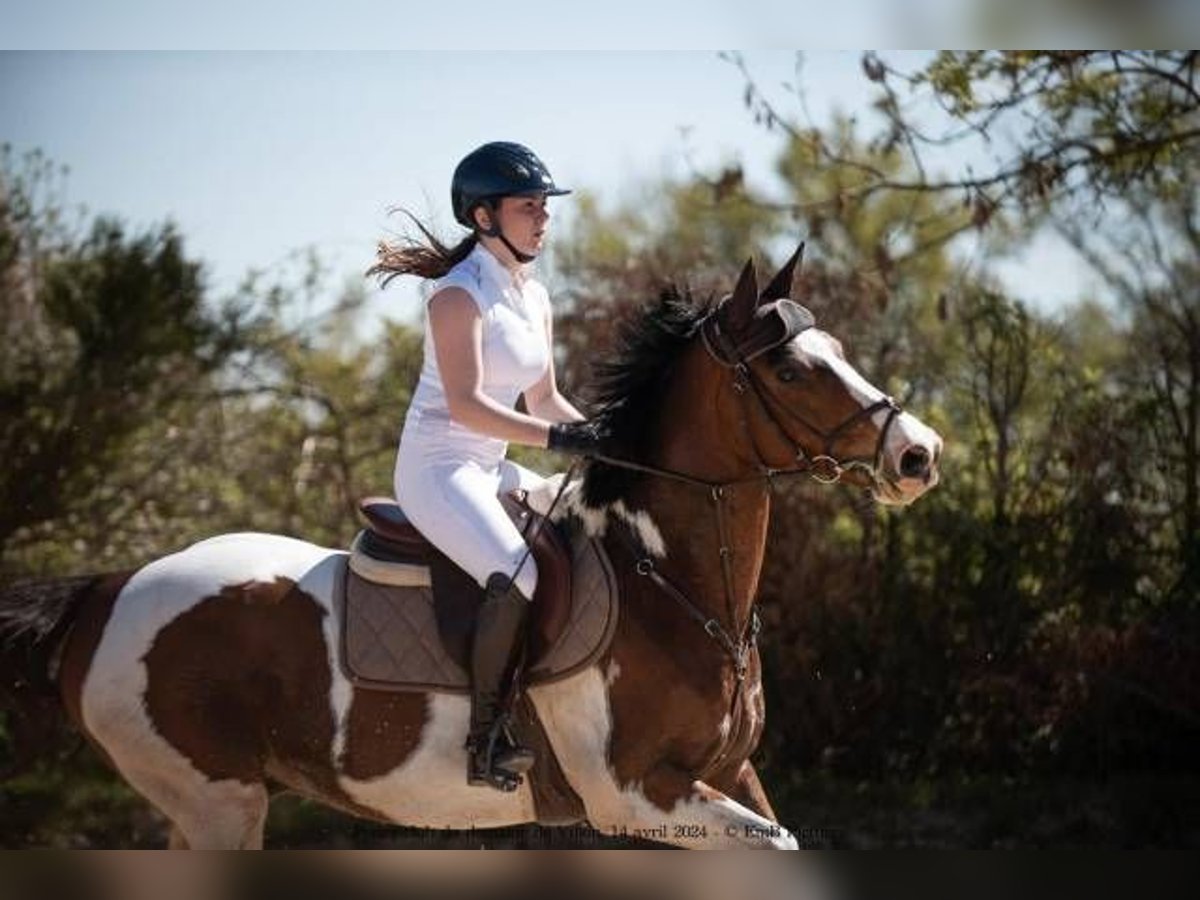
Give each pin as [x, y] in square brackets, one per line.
[209, 676]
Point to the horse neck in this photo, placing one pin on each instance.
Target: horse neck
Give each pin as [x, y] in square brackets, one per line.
[700, 432]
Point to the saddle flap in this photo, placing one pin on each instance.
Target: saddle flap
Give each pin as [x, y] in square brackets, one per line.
[392, 639]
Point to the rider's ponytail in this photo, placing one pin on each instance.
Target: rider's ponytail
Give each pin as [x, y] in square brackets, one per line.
[426, 259]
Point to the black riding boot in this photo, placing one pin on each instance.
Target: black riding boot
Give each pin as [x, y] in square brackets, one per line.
[493, 758]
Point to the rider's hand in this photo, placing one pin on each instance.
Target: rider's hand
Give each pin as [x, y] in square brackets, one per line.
[579, 438]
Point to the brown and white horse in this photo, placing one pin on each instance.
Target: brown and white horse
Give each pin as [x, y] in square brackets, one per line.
[209, 675]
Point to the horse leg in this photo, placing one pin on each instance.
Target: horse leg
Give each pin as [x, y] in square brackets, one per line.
[662, 803]
[741, 784]
[210, 815]
[207, 811]
[669, 806]
[227, 816]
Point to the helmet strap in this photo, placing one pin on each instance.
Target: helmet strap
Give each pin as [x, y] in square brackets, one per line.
[520, 257]
[496, 232]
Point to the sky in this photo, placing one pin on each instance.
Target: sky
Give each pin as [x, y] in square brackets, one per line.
[536, 25]
[258, 156]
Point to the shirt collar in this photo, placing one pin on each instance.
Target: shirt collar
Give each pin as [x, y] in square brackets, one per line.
[498, 270]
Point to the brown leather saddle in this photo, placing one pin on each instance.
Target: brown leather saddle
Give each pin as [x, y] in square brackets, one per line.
[391, 538]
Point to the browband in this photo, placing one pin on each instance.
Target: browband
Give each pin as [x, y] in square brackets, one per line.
[774, 323]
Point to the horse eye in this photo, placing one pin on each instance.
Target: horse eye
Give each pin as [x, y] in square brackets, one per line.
[786, 373]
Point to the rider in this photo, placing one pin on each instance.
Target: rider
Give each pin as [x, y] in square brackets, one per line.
[487, 341]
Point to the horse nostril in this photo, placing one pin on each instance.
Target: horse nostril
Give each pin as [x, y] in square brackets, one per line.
[914, 462]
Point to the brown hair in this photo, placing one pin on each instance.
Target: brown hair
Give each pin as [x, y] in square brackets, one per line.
[429, 258]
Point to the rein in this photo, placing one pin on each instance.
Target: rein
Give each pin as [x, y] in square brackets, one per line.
[824, 467]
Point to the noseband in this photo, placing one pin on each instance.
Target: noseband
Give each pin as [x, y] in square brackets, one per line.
[824, 466]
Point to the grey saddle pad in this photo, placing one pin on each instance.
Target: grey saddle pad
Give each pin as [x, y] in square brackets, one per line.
[390, 636]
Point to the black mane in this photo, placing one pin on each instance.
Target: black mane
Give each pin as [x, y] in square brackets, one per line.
[626, 391]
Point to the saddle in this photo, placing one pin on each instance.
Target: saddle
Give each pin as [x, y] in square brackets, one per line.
[409, 612]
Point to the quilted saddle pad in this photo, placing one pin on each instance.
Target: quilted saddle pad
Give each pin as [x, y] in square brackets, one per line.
[390, 641]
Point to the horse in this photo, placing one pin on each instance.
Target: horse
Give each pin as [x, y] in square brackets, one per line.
[208, 677]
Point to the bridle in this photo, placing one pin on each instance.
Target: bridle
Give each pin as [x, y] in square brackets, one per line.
[824, 467]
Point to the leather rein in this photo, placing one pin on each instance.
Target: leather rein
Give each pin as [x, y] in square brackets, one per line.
[824, 467]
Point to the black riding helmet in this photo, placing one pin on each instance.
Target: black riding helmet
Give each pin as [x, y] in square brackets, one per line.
[495, 170]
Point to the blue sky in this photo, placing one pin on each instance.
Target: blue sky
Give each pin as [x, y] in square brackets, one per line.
[257, 156]
[537, 25]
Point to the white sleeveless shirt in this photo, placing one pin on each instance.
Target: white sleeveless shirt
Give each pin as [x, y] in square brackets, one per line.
[515, 355]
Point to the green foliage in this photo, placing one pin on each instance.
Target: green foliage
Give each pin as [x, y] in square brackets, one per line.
[1092, 121]
[317, 433]
[109, 337]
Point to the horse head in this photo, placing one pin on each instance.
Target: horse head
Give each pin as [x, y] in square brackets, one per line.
[802, 407]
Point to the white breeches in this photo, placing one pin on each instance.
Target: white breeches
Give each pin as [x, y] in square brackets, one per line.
[456, 505]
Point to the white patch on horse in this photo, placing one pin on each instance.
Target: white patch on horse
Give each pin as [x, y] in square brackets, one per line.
[321, 584]
[817, 343]
[429, 788]
[578, 722]
[593, 518]
[113, 696]
[643, 526]
[759, 831]
[595, 522]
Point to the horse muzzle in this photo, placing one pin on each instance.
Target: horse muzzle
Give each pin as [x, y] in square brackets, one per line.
[911, 461]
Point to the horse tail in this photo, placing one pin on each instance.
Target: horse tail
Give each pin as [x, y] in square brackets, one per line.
[35, 619]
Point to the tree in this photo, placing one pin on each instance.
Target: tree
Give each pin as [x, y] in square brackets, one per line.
[1038, 126]
[687, 233]
[313, 428]
[107, 335]
[1148, 258]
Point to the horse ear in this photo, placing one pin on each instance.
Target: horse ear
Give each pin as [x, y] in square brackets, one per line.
[781, 285]
[741, 305]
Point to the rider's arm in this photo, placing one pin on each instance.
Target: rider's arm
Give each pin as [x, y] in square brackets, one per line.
[457, 330]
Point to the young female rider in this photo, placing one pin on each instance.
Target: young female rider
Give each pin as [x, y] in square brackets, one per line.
[487, 341]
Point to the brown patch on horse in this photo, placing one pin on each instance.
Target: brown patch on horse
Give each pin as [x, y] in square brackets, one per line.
[240, 685]
[79, 646]
[382, 730]
[240, 677]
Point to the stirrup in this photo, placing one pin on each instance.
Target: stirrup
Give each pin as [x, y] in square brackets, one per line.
[519, 758]
[486, 772]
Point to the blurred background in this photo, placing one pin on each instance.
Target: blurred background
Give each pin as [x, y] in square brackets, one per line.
[1007, 242]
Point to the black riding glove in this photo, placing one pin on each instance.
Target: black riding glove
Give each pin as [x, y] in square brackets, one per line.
[579, 438]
